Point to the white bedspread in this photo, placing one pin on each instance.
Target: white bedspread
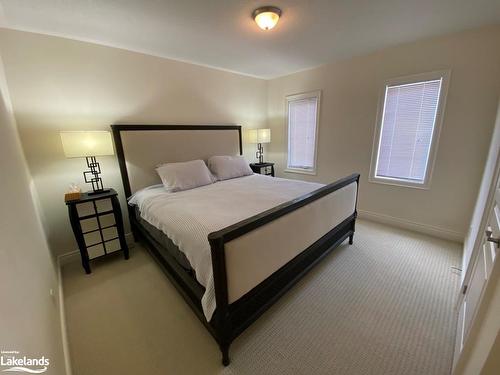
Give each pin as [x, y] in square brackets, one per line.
[187, 217]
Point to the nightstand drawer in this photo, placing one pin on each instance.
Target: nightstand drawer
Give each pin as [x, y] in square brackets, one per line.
[112, 246]
[92, 238]
[266, 170]
[107, 220]
[263, 168]
[85, 209]
[89, 224]
[104, 205]
[96, 251]
[109, 233]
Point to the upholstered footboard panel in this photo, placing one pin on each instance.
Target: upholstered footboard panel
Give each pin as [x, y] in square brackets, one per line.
[258, 259]
[254, 256]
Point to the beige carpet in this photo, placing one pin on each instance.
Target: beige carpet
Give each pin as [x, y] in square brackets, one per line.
[381, 306]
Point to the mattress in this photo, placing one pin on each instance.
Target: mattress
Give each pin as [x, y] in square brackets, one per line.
[187, 217]
[166, 243]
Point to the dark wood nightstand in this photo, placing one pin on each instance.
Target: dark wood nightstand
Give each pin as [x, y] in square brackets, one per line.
[263, 168]
[97, 223]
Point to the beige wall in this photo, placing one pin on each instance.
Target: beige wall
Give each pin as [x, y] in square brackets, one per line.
[57, 83]
[350, 91]
[29, 315]
[493, 362]
[60, 84]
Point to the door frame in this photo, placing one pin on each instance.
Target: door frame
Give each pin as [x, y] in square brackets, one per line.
[478, 241]
[481, 229]
[493, 156]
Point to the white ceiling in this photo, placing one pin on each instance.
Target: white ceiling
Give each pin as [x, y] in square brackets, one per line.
[221, 33]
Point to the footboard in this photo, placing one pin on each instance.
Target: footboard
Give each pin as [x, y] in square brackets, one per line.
[257, 260]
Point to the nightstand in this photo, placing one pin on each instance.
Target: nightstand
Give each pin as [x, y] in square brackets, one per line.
[97, 223]
[263, 168]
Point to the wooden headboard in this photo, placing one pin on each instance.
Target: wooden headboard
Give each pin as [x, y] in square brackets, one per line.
[140, 148]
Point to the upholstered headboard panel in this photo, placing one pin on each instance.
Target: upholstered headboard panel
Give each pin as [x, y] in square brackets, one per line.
[140, 148]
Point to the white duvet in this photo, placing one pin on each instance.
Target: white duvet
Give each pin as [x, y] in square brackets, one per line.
[187, 217]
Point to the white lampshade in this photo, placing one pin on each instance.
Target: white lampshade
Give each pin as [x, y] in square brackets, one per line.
[259, 136]
[78, 144]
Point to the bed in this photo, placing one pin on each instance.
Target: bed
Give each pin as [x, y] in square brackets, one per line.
[234, 247]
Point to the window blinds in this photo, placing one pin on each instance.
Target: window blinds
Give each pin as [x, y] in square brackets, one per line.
[302, 133]
[407, 128]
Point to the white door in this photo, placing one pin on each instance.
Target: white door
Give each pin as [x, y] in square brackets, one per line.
[482, 265]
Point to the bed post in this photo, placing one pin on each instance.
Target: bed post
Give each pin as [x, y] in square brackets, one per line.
[117, 138]
[221, 317]
[351, 237]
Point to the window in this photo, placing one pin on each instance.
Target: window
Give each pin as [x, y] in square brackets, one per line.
[408, 125]
[302, 125]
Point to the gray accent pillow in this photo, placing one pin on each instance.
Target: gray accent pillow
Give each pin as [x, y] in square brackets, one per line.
[226, 167]
[185, 175]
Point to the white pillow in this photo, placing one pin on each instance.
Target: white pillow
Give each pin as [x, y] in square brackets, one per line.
[226, 167]
[184, 176]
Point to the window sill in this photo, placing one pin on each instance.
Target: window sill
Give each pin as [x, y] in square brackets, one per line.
[401, 183]
[300, 171]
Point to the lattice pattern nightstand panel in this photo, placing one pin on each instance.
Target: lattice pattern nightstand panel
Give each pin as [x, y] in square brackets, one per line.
[263, 168]
[97, 223]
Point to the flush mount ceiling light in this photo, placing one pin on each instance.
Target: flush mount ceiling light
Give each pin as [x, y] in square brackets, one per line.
[266, 17]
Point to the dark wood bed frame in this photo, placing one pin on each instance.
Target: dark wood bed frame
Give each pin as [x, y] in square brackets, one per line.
[230, 320]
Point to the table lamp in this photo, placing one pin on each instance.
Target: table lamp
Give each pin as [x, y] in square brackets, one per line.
[88, 144]
[259, 136]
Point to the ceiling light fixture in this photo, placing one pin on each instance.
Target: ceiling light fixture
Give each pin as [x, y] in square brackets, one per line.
[266, 17]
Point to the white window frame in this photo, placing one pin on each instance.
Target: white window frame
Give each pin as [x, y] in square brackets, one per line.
[290, 98]
[415, 78]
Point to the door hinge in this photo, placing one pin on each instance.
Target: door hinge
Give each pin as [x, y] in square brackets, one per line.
[464, 290]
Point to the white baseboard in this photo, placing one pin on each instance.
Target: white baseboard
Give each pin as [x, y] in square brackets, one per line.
[74, 255]
[62, 317]
[69, 257]
[431, 230]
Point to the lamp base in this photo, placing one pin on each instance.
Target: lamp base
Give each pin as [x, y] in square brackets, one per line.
[260, 153]
[92, 176]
